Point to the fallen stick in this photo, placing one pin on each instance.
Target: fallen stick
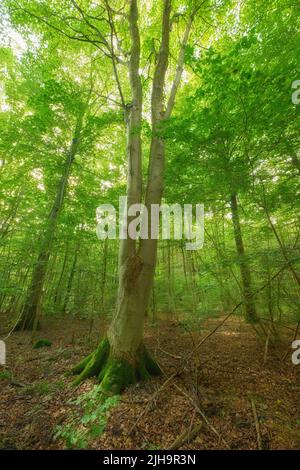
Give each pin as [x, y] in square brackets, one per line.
[151, 399]
[187, 436]
[202, 414]
[256, 425]
[169, 354]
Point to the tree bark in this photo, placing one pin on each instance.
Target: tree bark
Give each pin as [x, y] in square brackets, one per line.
[104, 270]
[57, 295]
[70, 279]
[250, 308]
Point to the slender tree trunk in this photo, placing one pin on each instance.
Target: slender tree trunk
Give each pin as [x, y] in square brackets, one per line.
[171, 302]
[104, 271]
[57, 295]
[293, 271]
[193, 270]
[35, 290]
[153, 306]
[8, 221]
[70, 280]
[250, 308]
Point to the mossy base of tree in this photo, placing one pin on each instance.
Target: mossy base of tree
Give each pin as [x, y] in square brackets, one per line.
[115, 373]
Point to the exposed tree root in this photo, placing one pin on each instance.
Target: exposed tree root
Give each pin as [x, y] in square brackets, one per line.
[115, 373]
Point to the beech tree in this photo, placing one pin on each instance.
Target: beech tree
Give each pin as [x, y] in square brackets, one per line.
[122, 357]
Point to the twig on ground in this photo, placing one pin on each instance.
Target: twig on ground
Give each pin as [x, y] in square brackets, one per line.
[169, 354]
[202, 414]
[256, 424]
[151, 399]
[186, 436]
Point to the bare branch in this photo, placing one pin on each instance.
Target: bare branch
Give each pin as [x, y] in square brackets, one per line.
[113, 57]
[91, 25]
[180, 61]
[179, 68]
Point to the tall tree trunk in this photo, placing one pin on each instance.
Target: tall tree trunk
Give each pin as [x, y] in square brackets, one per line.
[122, 358]
[8, 221]
[250, 308]
[70, 280]
[57, 295]
[34, 294]
[171, 301]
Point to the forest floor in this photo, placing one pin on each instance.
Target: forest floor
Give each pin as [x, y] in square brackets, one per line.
[222, 386]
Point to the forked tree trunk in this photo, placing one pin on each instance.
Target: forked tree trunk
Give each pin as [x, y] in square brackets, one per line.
[29, 315]
[251, 315]
[122, 358]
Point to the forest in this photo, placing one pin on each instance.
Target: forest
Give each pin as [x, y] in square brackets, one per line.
[117, 330]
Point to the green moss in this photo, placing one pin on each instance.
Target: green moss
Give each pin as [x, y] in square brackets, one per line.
[115, 373]
[5, 375]
[81, 365]
[43, 387]
[42, 343]
[91, 366]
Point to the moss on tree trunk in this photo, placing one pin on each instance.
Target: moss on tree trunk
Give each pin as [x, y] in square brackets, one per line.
[115, 372]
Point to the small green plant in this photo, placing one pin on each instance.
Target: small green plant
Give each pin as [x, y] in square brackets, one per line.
[5, 375]
[43, 388]
[42, 343]
[89, 419]
[150, 446]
